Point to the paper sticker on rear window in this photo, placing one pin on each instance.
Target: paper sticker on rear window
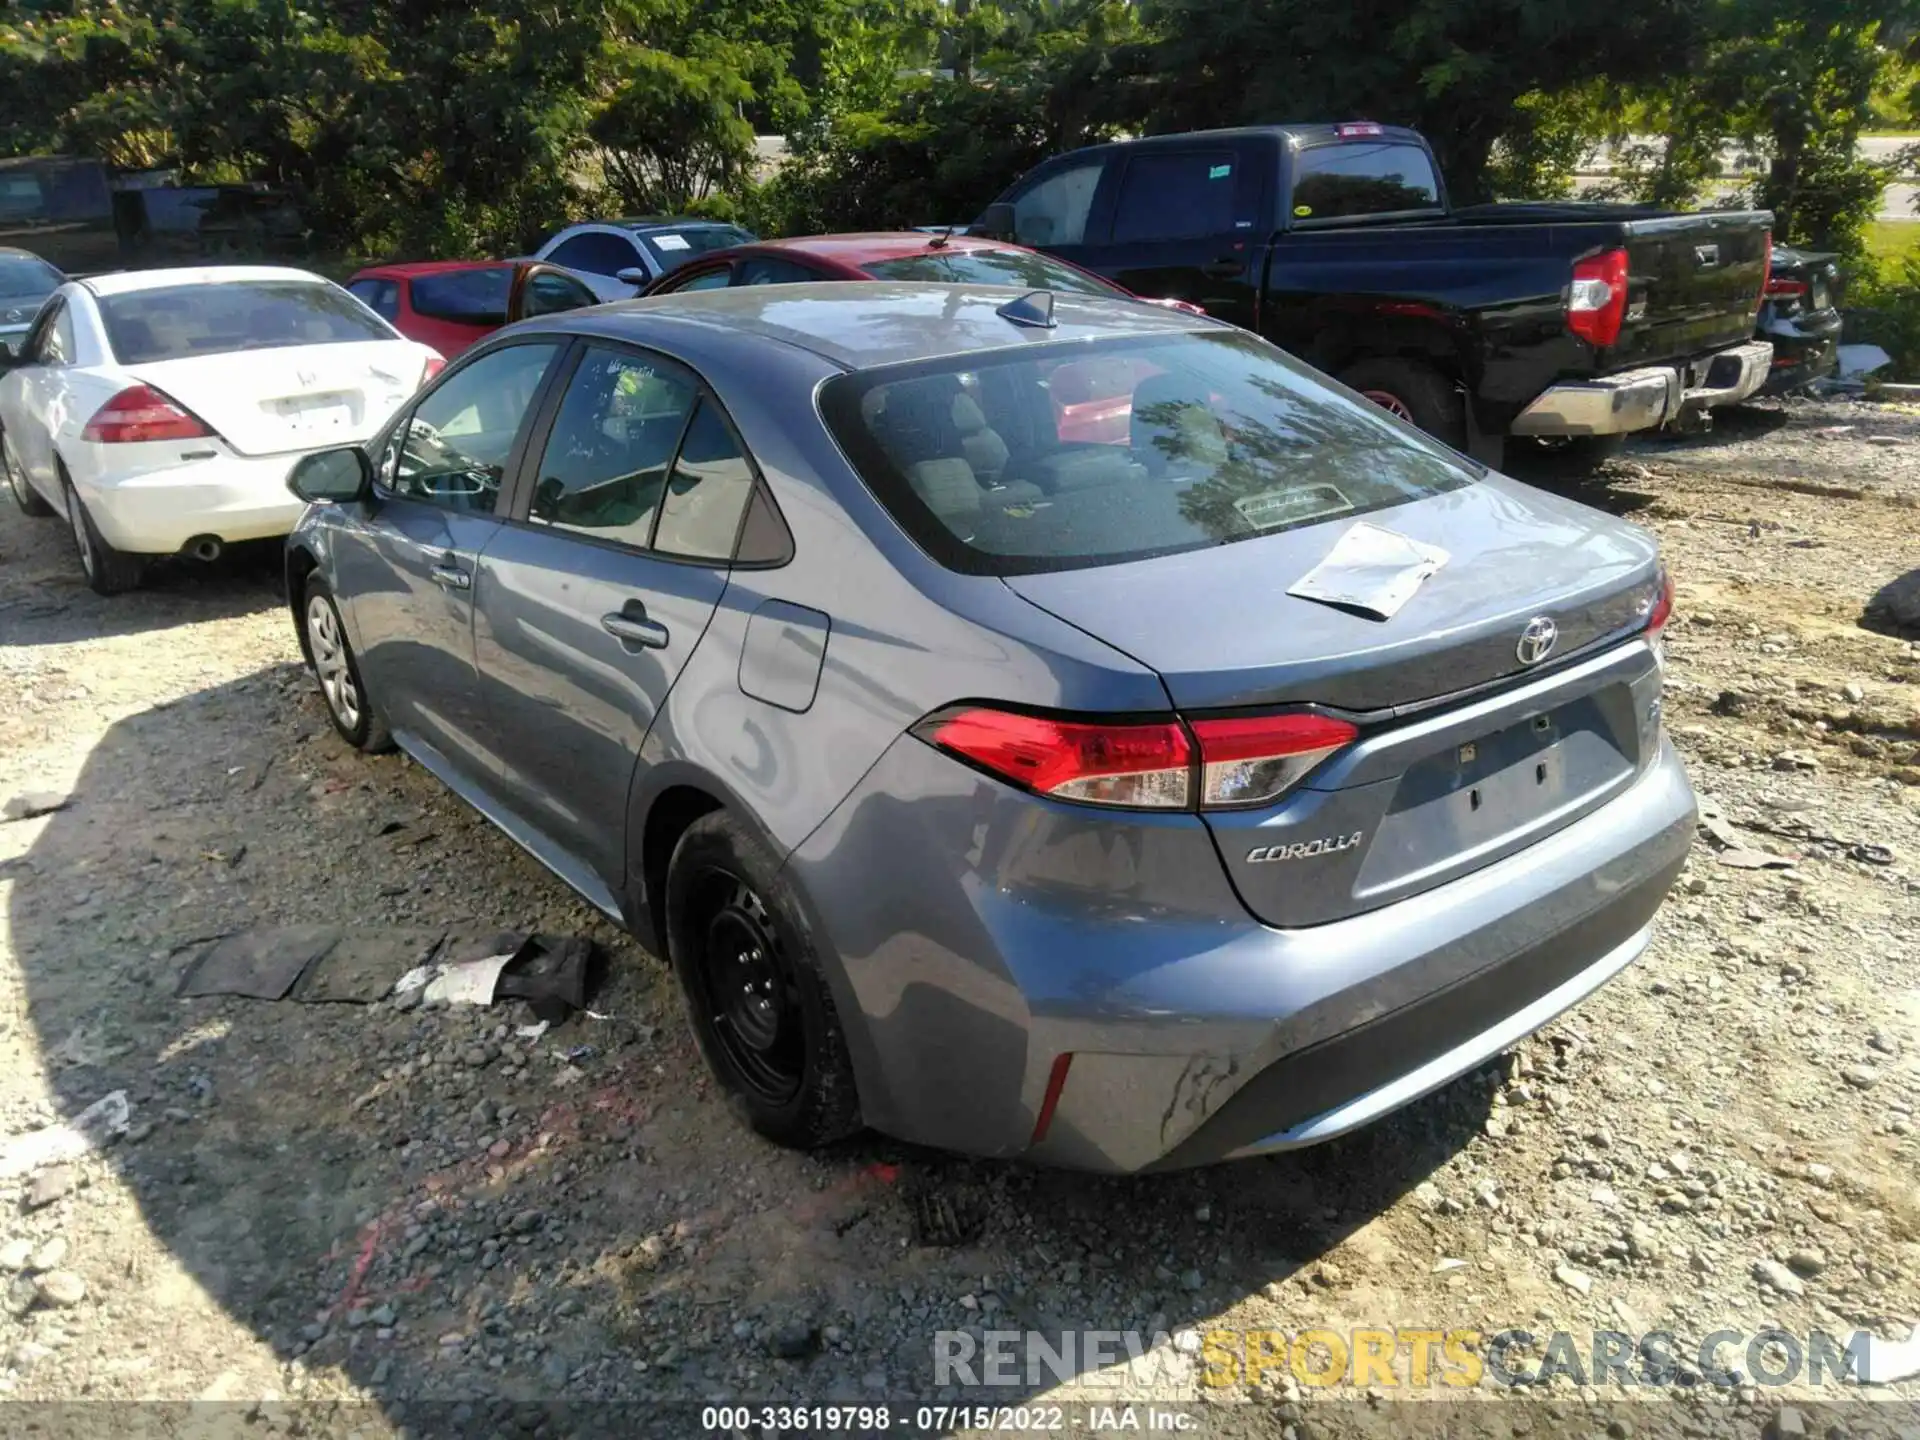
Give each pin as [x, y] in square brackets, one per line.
[1291, 507]
[1219, 172]
[669, 242]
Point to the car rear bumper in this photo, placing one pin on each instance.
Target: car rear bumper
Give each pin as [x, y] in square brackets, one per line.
[1196, 1033]
[1805, 349]
[229, 497]
[1647, 398]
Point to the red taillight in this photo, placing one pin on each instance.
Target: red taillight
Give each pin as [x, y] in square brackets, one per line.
[1137, 765]
[1662, 610]
[1250, 761]
[434, 366]
[141, 413]
[1242, 761]
[1597, 299]
[1781, 285]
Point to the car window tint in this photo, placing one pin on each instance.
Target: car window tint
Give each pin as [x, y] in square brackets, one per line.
[1055, 210]
[759, 270]
[705, 280]
[453, 449]
[177, 321]
[606, 460]
[1182, 196]
[380, 296]
[26, 277]
[467, 297]
[708, 491]
[596, 252]
[1332, 181]
[1053, 457]
[992, 267]
[52, 343]
[548, 293]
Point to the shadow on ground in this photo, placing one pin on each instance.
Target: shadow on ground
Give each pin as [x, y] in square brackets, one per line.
[456, 1218]
[44, 603]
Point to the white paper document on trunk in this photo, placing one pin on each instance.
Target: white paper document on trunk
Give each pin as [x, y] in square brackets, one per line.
[1372, 570]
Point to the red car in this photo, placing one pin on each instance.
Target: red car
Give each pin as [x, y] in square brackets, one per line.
[451, 304]
[940, 259]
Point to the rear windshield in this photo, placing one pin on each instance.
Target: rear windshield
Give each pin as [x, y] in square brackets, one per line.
[467, 297]
[673, 248]
[1336, 181]
[1062, 456]
[25, 277]
[990, 267]
[181, 320]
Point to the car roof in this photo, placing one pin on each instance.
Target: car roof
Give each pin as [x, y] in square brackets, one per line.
[863, 247]
[405, 268]
[125, 282]
[861, 324]
[640, 223]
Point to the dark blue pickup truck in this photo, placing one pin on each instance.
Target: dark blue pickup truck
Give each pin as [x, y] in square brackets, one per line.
[1569, 322]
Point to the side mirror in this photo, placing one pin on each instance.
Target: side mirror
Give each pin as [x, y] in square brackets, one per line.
[332, 477]
[995, 223]
[633, 275]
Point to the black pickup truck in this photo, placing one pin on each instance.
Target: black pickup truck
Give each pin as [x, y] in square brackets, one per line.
[1570, 322]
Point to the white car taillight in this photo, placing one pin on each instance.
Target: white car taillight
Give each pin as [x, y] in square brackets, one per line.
[1254, 760]
[141, 413]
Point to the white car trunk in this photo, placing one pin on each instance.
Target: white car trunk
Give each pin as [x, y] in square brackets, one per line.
[303, 397]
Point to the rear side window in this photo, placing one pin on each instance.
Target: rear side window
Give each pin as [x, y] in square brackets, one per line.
[1379, 178]
[467, 297]
[762, 270]
[707, 492]
[597, 253]
[991, 267]
[1057, 457]
[674, 248]
[607, 458]
[178, 321]
[1183, 196]
[705, 280]
[380, 296]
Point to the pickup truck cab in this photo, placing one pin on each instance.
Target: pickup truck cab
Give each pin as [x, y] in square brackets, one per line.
[1569, 322]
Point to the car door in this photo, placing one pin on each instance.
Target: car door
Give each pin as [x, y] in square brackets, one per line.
[409, 569]
[596, 594]
[540, 289]
[599, 257]
[1183, 227]
[44, 397]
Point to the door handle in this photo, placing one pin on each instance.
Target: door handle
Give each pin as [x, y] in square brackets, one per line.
[632, 627]
[1224, 269]
[451, 577]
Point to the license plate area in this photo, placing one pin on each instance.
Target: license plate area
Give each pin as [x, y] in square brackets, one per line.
[316, 413]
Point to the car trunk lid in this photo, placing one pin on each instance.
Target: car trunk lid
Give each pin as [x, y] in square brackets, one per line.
[275, 400]
[1693, 285]
[1466, 752]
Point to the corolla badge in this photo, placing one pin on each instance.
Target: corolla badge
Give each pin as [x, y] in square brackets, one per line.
[1303, 849]
[1537, 640]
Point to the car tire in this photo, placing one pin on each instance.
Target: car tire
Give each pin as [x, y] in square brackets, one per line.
[1415, 392]
[757, 995]
[25, 496]
[337, 670]
[108, 571]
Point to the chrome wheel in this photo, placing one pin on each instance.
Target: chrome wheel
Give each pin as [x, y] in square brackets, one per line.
[1390, 402]
[77, 520]
[329, 648]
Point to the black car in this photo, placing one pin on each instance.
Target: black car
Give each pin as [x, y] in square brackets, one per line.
[1798, 314]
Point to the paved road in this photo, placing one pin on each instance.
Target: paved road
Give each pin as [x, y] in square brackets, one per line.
[1898, 202]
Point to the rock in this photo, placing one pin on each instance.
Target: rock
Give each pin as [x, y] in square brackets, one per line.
[1854, 691]
[383, 1316]
[874, 1380]
[1773, 1274]
[52, 1184]
[30, 803]
[1819, 1174]
[1192, 1280]
[51, 1255]
[1791, 760]
[1807, 1262]
[61, 1288]
[29, 1353]
[1861, 1077]
[794, 1340]
[15, 1254]
[1732, 703]
[1573, 1279]
[1787, 1424]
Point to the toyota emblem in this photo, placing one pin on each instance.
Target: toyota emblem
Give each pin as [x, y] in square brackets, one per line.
[1537, 640]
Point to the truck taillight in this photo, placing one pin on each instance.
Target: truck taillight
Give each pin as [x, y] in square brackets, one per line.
[1227, 763]
[1597, 299]
[141, 413]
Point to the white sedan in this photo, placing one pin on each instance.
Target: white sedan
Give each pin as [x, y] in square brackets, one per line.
[160, 410]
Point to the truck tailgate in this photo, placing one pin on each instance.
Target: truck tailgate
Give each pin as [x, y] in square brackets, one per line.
[1693, 285]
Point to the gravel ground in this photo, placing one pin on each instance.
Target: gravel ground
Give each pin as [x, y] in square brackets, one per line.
[392, 1209]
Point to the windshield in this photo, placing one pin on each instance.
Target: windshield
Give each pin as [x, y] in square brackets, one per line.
[673, 248]
[1023, 268]
[26, 277]
[1380, 178]
[1062, 456]
[181, 320]
[468, 297]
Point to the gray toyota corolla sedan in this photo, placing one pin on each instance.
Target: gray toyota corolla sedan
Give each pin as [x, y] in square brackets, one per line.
[916, 667]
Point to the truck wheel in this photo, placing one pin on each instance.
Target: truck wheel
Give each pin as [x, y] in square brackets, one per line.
[1414, 392]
